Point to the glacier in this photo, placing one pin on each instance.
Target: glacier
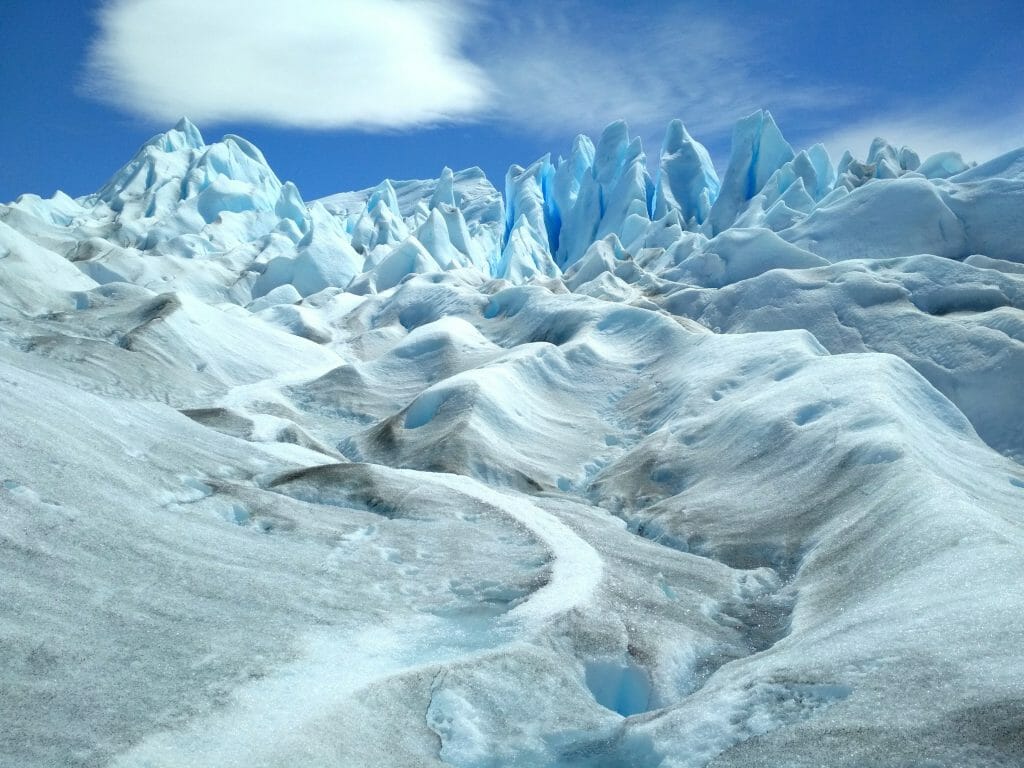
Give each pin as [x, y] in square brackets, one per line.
[627, 464]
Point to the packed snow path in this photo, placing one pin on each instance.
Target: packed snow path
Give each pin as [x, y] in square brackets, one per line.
[267, 721]
[576, 568]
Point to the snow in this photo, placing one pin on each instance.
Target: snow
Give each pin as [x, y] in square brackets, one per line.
[24, 264]
[740, 253]
[1007, 166]
[956, 324]
[942, 165]
[615, 469]
[884, 219]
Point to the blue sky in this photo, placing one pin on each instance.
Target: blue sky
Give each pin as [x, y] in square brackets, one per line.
[342, 93]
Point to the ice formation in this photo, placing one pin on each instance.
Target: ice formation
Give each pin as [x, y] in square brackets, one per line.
[630, 464]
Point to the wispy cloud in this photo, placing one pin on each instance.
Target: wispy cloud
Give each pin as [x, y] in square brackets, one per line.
[309, 63]
[952, 126]
[571, 67]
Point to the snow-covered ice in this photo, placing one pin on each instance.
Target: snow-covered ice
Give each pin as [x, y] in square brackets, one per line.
[634, 464]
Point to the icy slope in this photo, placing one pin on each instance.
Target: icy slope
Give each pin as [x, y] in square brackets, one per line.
[670, 469]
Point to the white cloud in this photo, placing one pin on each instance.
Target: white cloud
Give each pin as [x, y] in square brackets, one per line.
[308, 63]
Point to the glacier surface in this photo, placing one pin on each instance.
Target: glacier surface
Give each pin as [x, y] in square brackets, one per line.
[629, 464]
